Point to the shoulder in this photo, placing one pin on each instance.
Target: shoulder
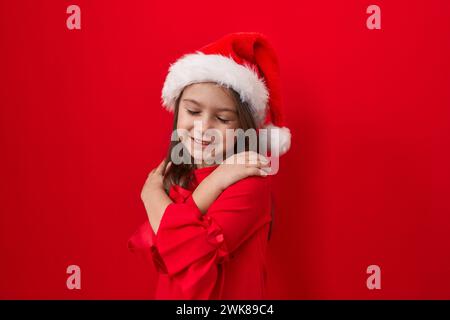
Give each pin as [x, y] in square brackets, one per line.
[249, 197]
[252, 188]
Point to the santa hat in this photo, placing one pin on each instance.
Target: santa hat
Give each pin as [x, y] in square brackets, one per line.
[245, 62]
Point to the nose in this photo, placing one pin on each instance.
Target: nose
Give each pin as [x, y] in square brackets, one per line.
[201, 126]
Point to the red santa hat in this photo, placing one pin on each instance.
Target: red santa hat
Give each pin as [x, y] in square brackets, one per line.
[245, 62]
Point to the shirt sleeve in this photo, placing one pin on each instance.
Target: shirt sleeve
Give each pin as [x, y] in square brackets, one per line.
[189, 246]
[142, 242]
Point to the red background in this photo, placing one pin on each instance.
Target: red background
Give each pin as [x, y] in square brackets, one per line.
[366, 182]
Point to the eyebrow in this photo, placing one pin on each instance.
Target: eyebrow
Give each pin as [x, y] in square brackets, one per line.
[200, 105]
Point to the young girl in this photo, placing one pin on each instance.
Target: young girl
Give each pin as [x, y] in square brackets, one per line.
[208, 223]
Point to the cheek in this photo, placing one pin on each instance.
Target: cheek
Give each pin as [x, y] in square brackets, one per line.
[224, 136]
[184, 122]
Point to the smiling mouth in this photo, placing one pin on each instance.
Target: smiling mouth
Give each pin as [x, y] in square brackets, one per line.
[202, 142]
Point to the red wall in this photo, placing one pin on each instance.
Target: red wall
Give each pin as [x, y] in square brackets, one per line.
[366, 182]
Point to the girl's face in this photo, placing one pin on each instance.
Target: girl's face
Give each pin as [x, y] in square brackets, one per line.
[210, 106]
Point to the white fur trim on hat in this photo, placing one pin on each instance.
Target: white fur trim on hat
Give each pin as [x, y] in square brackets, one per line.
[200, 67]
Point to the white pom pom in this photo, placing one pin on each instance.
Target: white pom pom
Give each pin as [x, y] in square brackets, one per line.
[278, 139]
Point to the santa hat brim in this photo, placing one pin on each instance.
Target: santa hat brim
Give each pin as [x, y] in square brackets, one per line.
[200, 67]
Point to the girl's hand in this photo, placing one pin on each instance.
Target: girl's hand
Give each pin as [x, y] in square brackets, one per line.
[240, 166]
[154, 181]
[154, 197]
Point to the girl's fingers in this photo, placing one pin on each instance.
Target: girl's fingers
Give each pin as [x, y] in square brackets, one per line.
[259, 157]
[249, 158]
[252, 157]
[267, 170]
[259, 164]
[253, 171]
[160, 167]
[169, 164]
[264, 158]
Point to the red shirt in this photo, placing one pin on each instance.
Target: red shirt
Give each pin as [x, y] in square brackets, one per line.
[218, 255]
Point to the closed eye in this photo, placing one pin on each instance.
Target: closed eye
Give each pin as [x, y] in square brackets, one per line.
[223, 120]
[192, 112]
